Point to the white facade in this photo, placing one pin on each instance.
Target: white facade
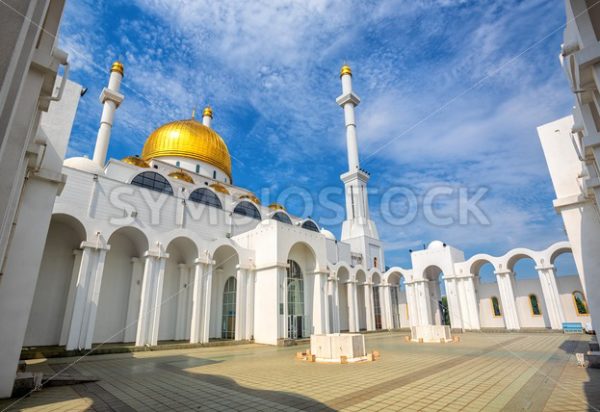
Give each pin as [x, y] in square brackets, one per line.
[166, 249]
[572, 146]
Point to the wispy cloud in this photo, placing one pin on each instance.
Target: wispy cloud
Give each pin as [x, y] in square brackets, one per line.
[270, 72]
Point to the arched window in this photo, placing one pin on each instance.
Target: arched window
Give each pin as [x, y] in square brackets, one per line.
[214, 174]
[153, 181]
[535, 306]
[374, 262]
[228, 324]
[282, 217]
[247, 209]
[206, 196]
[580, 303]
[177, 163]
[496, 306]
[310, 225]
[197, 168]
[295, 293]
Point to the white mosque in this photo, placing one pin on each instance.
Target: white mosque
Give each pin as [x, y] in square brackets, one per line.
[164, 247]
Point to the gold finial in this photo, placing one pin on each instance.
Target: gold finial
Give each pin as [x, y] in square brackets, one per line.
[345, 70]
[117, 67]
[207, 112]
[194, 112]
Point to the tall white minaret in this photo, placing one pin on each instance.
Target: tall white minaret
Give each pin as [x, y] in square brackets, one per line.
[207, 116]
[348, 101]
[111, 99]
[358, 229]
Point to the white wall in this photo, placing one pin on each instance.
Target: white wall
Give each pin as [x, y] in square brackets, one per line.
[566, 286]
[485, 292]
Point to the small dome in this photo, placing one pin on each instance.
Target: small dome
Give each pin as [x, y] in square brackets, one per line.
[436, 244]
[251, 197]
[188, 138]
[84, 164]
[136, 161]
[218, 187]
[181, 175]
[277, 206]
[328, 234]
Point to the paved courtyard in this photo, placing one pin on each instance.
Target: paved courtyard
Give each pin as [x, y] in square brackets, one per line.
[485, 371]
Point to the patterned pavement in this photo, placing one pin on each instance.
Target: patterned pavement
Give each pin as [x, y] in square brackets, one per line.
[484, 371]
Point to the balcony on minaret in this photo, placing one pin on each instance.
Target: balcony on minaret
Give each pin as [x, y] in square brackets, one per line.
[348, 97]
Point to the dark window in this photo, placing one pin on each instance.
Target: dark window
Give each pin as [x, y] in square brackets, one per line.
[205, 196]
[580, 303]
[281, 217]
[247, 209]
[197, 168]
[496, 306]
[153, 181]
[177, 163]
[535, 306]
[214, 174]
[310, 225]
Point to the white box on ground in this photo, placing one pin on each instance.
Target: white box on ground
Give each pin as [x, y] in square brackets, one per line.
[335, 345]
[431, 333]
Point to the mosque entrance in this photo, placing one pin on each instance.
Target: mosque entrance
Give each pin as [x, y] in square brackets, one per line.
[295, 297]
[228, 322]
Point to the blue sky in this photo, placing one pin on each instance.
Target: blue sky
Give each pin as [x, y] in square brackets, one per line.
[452, 92]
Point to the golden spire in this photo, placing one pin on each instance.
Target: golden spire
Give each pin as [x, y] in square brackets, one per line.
[117, 66]
[194, 112]
[345, 70]
[207, 112]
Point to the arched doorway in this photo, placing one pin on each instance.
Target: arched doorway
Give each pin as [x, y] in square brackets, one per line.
[176, 311]
[344, 309]
[528, 291]
[362, 298]
[229, 309]
[438, 301]
[299, 291]
[223, 313]
[52, 307]
[295, 300]
[491, 313]
[376, 279]
[120, 290]
[398, 300]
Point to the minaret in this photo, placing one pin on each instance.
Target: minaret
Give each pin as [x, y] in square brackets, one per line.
[207, 116]
[358, 229]
[111, 99]
[348, 101]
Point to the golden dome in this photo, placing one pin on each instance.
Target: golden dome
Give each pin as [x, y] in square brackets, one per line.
[181, 175]
[188, 138]
[118, 67]
[136, 161]
[250, 197]
[276, 206]
[218, 187]
[345, 70]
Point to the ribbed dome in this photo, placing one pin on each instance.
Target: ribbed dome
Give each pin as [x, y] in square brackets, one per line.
[188, 138]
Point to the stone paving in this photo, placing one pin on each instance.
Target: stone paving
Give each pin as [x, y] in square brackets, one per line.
[484, 371]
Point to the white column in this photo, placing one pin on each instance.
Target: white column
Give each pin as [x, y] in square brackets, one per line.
[64, 334]
[207, 290]
[249, 312]
[424, 315]
[87, 292]
[507, 296]
[319, 309]
[472, 302]
[240, 303]
[197, 300]
[111, 99]
[352, 307]
[181, 316]
[133, 303]
[454, 303]
[386, 304]
[335, 305]
[551, 296]
[151, 300]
